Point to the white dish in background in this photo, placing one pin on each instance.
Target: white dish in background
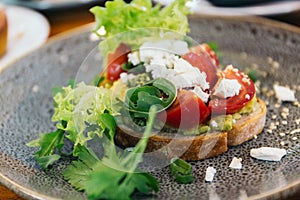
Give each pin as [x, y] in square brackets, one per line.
[27, 30]
[263, 9]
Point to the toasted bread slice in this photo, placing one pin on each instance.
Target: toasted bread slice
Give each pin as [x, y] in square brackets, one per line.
[186, 147]
[202, 146]
[248, 126]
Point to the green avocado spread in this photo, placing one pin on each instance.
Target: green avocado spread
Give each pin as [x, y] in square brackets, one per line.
[225, 122]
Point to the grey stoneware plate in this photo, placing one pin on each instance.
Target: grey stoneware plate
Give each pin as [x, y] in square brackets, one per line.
[270, 48]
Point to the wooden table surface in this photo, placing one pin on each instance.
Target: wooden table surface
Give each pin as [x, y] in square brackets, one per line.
[61, 21]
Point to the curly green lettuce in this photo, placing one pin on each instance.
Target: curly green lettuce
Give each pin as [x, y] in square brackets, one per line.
[80, 108]
[125, 22]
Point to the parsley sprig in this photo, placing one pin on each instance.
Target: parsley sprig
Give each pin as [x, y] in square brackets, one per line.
[115, 175]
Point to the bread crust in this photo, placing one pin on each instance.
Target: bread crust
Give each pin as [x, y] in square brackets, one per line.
[189, 148]
[193, 148]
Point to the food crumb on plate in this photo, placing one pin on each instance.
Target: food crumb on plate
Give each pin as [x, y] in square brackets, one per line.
[284, 93]
[236, 163]
[210, 174]
[268, 153]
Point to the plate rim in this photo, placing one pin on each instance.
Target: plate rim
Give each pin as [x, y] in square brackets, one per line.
[28, 193]
[17, 57]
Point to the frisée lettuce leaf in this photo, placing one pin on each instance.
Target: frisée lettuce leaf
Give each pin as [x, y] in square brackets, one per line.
[80, 108]
[117, 18]
[77, 113]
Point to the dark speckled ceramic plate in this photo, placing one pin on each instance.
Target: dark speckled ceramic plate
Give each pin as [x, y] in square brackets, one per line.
[25, 111]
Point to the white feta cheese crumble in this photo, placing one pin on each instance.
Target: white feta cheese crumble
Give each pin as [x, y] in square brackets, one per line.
[134, 57]
[183, 75]
[268, 153]
[284, 93]
[172, 46]
[202, 95]
[213, 123]
[188, 76]
[161, 61]
[236, 163]
[227, 88]
[210, 174]
[94, 37]
[164, 61]
[247, 96]
[124, 77]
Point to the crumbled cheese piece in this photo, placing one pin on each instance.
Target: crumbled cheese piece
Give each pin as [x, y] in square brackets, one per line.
[134, 57]
[101, 31]
[227, 88]
[284, 93]
[213, 123]
[124, 77]
[183, 75]
[268, 153]
[202, 95]
[247, 96]
[167, 60]
[94, 37]
[210, 173]
[236, 163]
[282, 143]
[172, 46]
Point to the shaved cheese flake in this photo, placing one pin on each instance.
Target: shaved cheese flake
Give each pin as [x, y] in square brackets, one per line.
[268, 153]
[284, 93]
[236, 163]
[210, 174]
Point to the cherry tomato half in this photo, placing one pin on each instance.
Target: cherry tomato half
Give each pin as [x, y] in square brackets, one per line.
[204, 48]
[233, 104]
[115, 61]
[202, 61]
[187, 111]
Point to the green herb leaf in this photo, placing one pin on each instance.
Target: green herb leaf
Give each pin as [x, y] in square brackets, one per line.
[253, 74]
[168, 89]
[48, 143]
[46, 161]
[77, 173]
[215, 47]
[181, 170]
[114, 175]
[160, 91]
[108, 122]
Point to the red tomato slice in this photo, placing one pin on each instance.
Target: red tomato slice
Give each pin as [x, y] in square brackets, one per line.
[233, 104]
[204, 48]
[187, 111]
[115, 61]
[204, 64]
